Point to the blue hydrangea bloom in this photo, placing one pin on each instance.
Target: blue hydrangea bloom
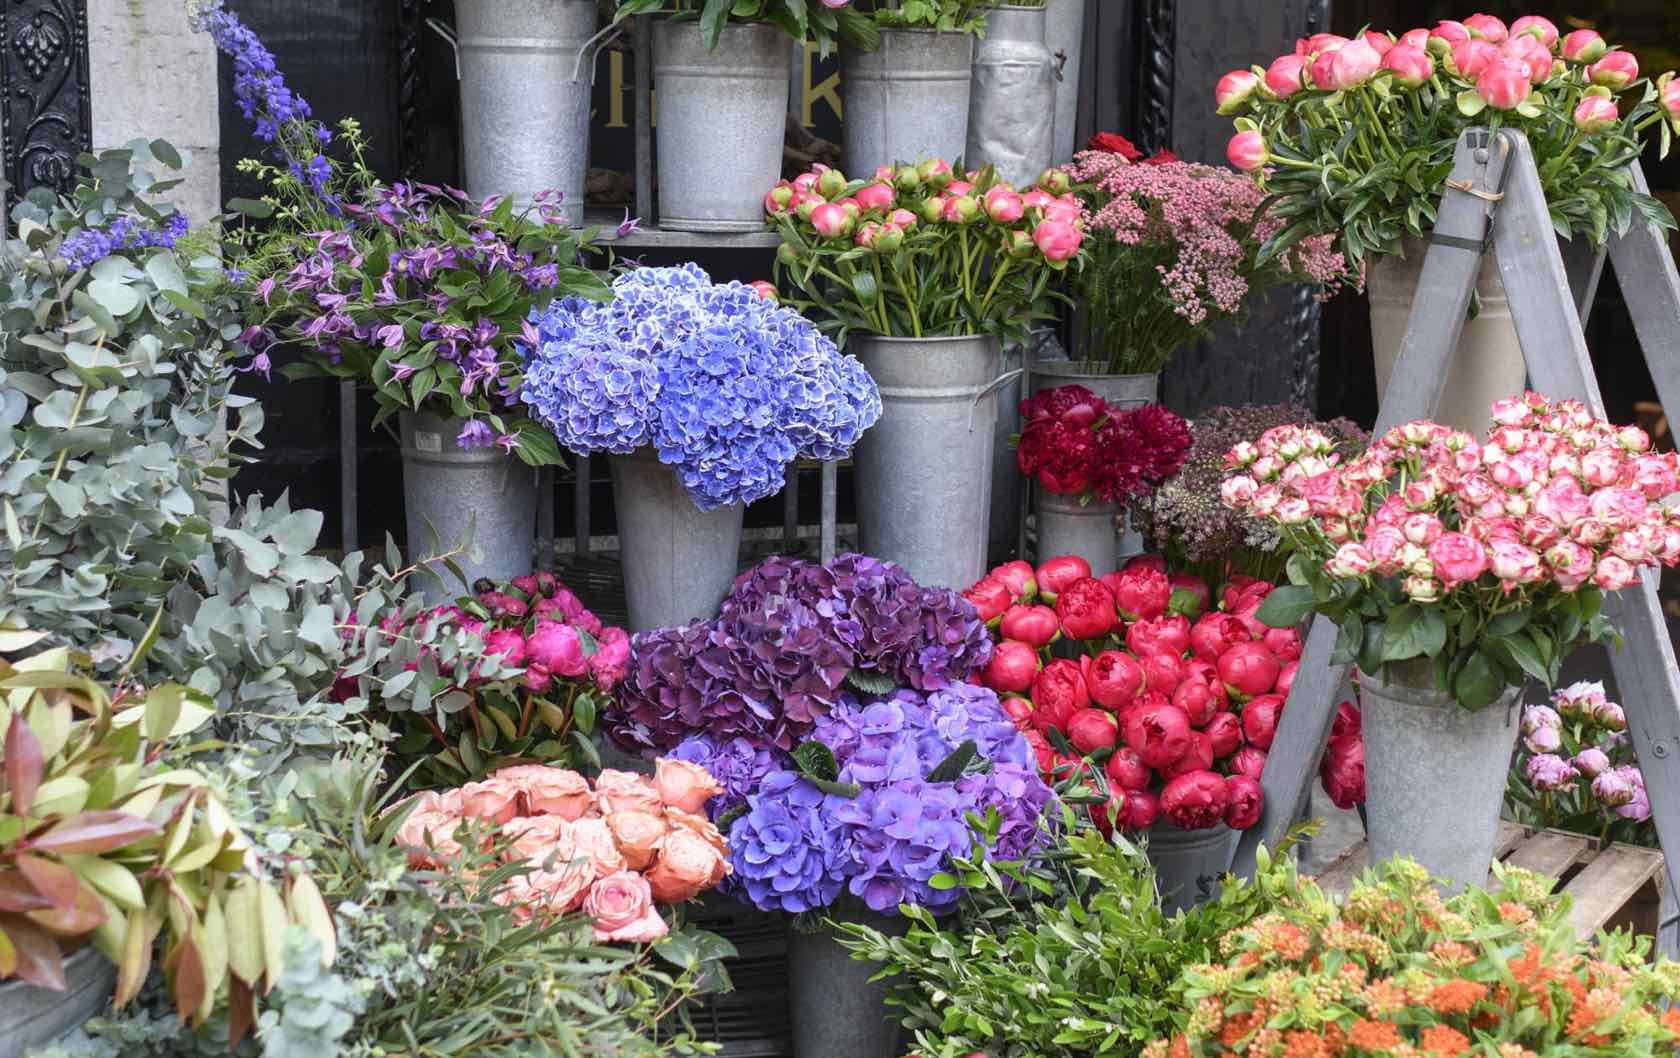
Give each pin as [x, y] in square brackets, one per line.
[727, 387]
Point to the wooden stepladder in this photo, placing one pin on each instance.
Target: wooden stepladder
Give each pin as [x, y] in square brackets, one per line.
[1494, 202]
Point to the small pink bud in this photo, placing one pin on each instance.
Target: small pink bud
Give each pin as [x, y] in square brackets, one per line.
[889, 238]
[907, 178]
[1487, 27]
[1470, 57]
[1504, 84]
[1005, 208]
[957, 188]
[876, 196]
[902, 218]
[1380, 41]
[1411, 66]
[787, 254]
[1541, 29]
[866, 235]
[1247, 151]
[886, 173]
[1055, 181]
[1595, 114]
[831, 183]
[831, 221]
[1284, 76]
[1057, 240]
[806, 181]
[1447, 35]
[806, 202]
[1021, 245]
[765, 289]
[935, 172]
[1668, 96]
[1417, 38]
[1232, 92]
[1615, 70]
[1583, 45]
[960, 209]
[1353, 64]
[932, 210]
[779, 198]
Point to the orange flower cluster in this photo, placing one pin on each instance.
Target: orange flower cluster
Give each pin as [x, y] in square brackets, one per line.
[1397, 971]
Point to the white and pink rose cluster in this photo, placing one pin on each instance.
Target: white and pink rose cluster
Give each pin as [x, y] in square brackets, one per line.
[616, 851]
[1553, 497]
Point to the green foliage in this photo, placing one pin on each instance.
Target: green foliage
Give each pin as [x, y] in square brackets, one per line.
[959, 16]
[803, 20]
[1071, 960]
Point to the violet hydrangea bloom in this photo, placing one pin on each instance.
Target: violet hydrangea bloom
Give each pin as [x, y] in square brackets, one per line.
[787, 851]
[738, 765]
[727, 387]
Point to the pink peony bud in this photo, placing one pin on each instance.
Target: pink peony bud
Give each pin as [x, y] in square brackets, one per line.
[1091, 729]
[888, 238]
[1035, 626]
[1196, 800]
[1487, 27]
[1613, 788]
[1583, 45]
[1544, 740]
[989, 597]
[1616, 70]
[1056, 574]
[831, 221]
[1353, 64]
[1416, 38]
[1058, 240]
[1541, 29]
[1249, 669]
[875, 196]
[1012, 668]
[1247, 151]
[764, 289]
[1412, 67]
[1248, 800]
[958, 188]
[806, 181]
[1055, 181]
[1159, 733]
[1086, 609]
[1286, 75]
[960, 209]
[1005, 208]
[1668, 96]
[1140, 593]
[1321, 72]
[1446, 35]
[1595, 114]
[1260, 720]
[1532, 54]
[1470, 58]
[831, 184]
[1592, 762]
[1380, 41]
[1234, 90]
[935, 173]
[779, 198]
[1113, 679]
[1128, 771]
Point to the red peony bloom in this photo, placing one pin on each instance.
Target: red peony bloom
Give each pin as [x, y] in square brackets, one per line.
[1091, 729]
[1249, 669]
[1196, 800]
[1247, 800]
[1113, 678]
[1056, 693]
[1114, 143]
[1347, 721]
[1159, 733]
[1086, 609]
[990, 597]
[1260, 720]
[1018, 577]
[1128, 771]
[1035, 626]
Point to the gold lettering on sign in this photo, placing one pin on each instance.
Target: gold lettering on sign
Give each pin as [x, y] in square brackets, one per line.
[828, 91]
[615, 90]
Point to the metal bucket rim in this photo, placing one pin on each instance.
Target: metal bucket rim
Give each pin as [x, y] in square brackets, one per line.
[1084, 369]
[928, 340]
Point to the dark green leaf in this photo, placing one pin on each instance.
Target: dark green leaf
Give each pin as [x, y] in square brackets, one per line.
[1286, 606]
[816, 761]
[1479, 683]
[871, 682]
[952, 767]
[1413, 631]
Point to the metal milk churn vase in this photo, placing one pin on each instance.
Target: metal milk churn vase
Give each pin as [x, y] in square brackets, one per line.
[907, 101]
[526, 68]
[1011, 108]
[679, 561]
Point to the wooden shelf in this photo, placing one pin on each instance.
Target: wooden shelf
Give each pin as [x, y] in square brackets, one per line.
[652, 237]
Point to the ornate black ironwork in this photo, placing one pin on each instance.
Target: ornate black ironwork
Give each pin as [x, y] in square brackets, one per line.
[410, 27]
[1306, 314]
[1158, 40]
[46, 115]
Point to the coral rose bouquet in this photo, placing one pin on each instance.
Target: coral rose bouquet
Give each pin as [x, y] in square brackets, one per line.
[515, 672]
[1174, 250]
[725, 385]
[1487, 561]
[1074, 443]
[918, 251]
[1575, 769]
[1355, 138]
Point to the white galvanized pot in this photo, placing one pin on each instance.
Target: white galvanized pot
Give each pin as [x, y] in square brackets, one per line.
[722, 119]
[1065, 527]
[1064, 35]
[906, 101]
[924, 471]
[526, 69]
[837, 1011]
[1434, 772]
[1188, 863]
[32, 1017]
[484, 496]
[678, 561]
[1011, 106]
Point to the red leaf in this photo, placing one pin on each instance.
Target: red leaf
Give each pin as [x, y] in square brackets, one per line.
[38, 959]
[85, 916]
[96, 832]
[242, 1010]
[23, 765]
[54, 881]
[16, 894]
[189, 979]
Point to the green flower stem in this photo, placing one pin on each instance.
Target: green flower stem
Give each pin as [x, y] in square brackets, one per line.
[1376, 123]
[909, 301]
[880, 292]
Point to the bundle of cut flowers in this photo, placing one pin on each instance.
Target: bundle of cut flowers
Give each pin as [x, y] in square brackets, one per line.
[1184, 519]
[727, 386]
[1575, 769]
[516, 672]
[1355, 138]
[919, 251]
[616, 851]
[412, 289]
[1173, 250]
[1396, 969]
[1490, 560]
[1074, 443]
[1134, 689]
[788, 640]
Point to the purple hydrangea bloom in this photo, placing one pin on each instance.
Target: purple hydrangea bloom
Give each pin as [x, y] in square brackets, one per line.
[787, 851]
[737, 764]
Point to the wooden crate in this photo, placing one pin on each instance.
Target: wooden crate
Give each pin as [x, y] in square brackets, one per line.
[1612, 885]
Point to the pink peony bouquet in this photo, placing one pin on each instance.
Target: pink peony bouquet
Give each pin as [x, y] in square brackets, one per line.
[1575, 769]
[1143, 693]
[616, 851]
[1074, 443]
[1487, 559]
[515, 672]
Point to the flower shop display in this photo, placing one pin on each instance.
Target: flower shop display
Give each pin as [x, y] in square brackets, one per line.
[1174, 250]
[1457, 569]
[704, 394]
[416, 291]
[1355, 138]
[1012, 102]
[1186, 521]
[1575, 769]
[1091, 462]
[1136, 688]
[909, 97]
[102, 834]
[920, 274]
[788, 640]
[518, 672]
[1395, 969]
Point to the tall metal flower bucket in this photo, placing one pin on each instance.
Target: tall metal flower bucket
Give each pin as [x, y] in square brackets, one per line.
[1188, 863]
[1427, 760]
[1006, 471]
[1011, 107]
[679, 561]
[1064, 35]
[906, 101]
[1067, 527]
[837, 1011]
[721, 122]
[924, 471]
[31, 1016]
[451, 494]
[526, 69]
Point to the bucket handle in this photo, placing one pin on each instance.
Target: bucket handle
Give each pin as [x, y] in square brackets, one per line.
[1061, 58]
[990, 388]
[447, 32]
[595, 44]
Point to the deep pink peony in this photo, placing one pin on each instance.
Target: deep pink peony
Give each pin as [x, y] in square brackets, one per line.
[1196, 800]
[990, 598]
[1017, 576]
[1195, 586]
[1163, 635]
[1162, 672]
[611, 658]
[1035, 626]
[1140, 811]
[1260, 720]
[1140, 593]
[1343, 771]
[558, 648]
[1286, 678]
[1128, 771]
[1198, 701]
[1085, 609]
[1250, 761]
[1012, 667]
[1055, 575]
[1216, 633]
[1198, 758]
[1159, 733]
[1112, 678]
[1247, 799]
[1056, 693]
[1225, 732]
[1091, 729]
[1248, 669]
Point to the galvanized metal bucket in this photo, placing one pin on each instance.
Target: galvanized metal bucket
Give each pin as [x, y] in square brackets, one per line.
[484, 497]
[1121, 391]
[837, 1011]
[907, 101]
[1434, 772]
[526, 69]
[1014, 90]
[722, 119]
[1188, 863]
[678, 561]
[1064, 35]
[1067, 528]
[1007, 483]
[924, 472]
[32, 1017]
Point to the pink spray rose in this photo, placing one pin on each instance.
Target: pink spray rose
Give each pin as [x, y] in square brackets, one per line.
[494, 800]
[1457, 558]
[687, 865]
[622, 906]
[638, 835]
[625, 791]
